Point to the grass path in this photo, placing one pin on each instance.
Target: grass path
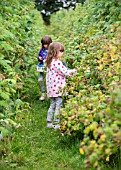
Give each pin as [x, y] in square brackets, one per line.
[36, 147]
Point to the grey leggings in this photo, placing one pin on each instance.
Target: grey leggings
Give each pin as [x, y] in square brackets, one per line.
[55, 106]
[41, 82]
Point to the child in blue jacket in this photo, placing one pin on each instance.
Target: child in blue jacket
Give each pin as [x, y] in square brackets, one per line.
[45, 41]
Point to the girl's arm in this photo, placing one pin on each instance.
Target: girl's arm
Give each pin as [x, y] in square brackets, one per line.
[64, 71]
[40, 55]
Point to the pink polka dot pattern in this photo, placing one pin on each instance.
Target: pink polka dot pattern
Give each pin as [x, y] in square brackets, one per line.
[56, 78]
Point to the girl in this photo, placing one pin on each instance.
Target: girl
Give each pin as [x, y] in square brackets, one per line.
[55, 82]
[45, 41]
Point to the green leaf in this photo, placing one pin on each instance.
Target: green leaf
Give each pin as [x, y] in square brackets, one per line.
[3, 103]
[5, 46]
[4, 63]
[18, 102]
[5, 95]
[97, 86]
[4, 131]
[6, 34]
[87, 75]
[12, 122]
[1, 115]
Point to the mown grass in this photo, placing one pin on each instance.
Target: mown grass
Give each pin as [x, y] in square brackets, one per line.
[35, 147]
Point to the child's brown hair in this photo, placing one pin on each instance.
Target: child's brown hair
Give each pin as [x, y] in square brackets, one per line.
[46, 40]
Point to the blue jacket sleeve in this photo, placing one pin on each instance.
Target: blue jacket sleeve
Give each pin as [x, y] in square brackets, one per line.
[39, 54]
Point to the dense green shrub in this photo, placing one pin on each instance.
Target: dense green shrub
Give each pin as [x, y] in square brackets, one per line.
[92, 110]
[19, 45]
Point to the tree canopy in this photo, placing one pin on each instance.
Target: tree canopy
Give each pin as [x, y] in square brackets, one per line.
[48, 7]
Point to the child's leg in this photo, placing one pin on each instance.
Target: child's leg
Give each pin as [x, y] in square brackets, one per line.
[41, 82]
[42, 86]
[51, 109]
[59, 101]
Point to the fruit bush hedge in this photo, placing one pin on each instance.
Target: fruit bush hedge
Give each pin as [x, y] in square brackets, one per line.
[92, 111]
[20, 40]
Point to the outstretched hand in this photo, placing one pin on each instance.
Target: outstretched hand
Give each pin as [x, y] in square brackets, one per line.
[74, 72]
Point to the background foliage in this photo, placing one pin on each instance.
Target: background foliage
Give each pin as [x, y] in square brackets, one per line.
[18, 49]
[92, 111]
[47, 7]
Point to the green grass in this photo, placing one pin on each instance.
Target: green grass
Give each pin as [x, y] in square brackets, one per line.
[35, 147]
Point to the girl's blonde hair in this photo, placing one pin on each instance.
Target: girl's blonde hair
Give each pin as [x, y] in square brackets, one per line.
[53, 50]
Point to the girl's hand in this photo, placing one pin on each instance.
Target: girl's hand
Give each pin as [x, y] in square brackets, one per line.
[74, 72]
[40, 58]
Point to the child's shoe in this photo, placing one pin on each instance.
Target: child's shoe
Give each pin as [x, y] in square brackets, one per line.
[42, 97]
[57, 126]
[49, 125]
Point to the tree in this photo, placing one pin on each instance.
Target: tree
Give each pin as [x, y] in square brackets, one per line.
[48, 7]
